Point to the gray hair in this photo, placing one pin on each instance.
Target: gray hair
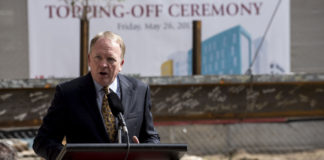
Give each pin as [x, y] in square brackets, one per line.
[111, 36]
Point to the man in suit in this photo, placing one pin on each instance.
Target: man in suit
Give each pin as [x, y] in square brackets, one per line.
[77, 111]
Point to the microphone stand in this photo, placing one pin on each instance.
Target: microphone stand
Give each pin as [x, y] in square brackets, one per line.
[119, 134]
[122, 127]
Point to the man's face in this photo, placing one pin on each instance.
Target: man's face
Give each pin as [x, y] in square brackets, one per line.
[105, 61]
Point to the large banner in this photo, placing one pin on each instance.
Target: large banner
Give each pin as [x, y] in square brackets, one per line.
[158, 35]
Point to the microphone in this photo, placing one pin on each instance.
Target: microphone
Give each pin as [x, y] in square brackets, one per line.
[117, 109]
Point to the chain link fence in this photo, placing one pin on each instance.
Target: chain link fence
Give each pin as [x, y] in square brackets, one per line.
[276, 141]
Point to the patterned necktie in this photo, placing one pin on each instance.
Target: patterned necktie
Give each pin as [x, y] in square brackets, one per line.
[108, 116]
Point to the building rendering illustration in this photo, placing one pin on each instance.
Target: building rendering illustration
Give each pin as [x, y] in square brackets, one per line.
[228, 52]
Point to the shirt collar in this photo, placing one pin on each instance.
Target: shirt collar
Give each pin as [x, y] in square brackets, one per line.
[113, 86]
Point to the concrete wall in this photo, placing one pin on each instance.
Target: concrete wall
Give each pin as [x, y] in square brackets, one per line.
[307, 37]
[14, 62]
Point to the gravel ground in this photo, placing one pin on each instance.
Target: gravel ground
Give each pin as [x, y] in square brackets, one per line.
[242, 155]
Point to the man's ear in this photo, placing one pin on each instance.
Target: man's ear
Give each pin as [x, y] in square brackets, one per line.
[121, 65]
[88, 60]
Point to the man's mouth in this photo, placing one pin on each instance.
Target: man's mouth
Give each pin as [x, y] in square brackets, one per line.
[103, 73]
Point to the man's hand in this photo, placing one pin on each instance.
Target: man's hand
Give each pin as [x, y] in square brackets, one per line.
[135, 140]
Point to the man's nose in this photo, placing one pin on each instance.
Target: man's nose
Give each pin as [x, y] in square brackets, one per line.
[104, 64]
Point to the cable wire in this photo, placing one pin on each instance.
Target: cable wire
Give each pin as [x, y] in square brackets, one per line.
[249, 70]
[128, 146]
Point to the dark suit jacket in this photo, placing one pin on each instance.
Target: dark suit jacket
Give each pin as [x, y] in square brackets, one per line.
[74, 113]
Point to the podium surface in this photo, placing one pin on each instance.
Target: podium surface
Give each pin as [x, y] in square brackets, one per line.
[104, 151]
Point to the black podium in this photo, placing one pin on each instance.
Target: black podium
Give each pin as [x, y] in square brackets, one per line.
[101, 151]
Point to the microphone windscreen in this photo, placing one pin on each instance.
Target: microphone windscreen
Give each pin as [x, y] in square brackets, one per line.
[115, 103]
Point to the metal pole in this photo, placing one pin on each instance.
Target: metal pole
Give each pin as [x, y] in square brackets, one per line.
[84, 41]
[119, 134]
[196, 48]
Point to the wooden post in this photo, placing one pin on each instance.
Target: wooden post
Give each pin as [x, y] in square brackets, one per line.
[196, 48]
[84, 42]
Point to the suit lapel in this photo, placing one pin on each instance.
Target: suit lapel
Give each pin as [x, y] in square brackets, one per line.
[88, 94]
[126, 93]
